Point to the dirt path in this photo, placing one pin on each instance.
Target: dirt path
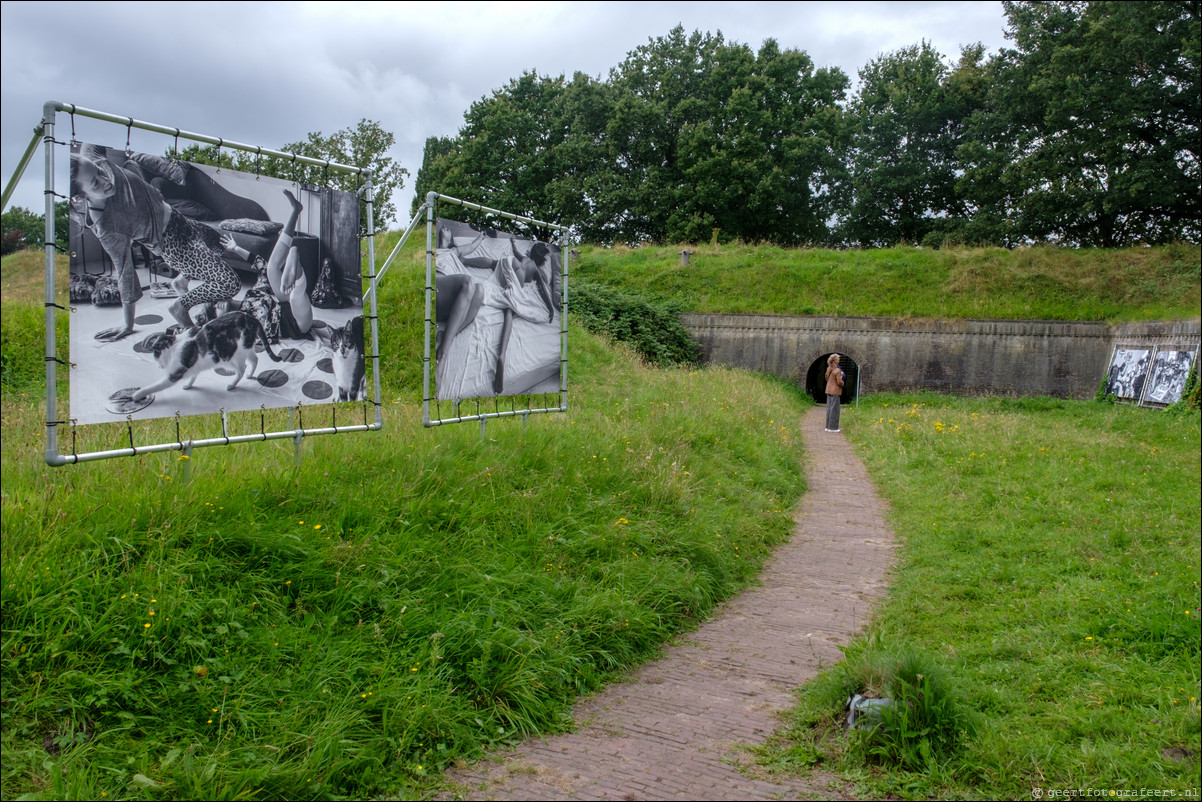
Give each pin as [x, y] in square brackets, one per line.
[678, 729]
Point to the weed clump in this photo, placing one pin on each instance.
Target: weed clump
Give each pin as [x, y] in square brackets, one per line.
[925, 719]
[900, 707]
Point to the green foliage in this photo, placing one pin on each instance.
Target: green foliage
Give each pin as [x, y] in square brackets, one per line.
[651, 328]
[689, 135]
[364, 146]
[1090, 132]
[925, 719]
[1191, 394]
[907, 126]
[981, 283]
[23, 320]
[519, 151]
[1085, 134]
[708, 134]
[22, 346]
[22, 229]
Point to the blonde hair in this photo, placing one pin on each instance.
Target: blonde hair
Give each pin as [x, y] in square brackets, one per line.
[832, 359]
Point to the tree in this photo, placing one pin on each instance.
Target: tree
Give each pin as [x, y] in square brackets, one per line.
[907, 126]
[691, 138]
[1090, 136]
[432, 175]
[763, 163]
[709, 139]
[364, 146]
[24, 229]
[524, 149]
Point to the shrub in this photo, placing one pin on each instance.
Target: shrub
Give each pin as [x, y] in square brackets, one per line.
[1191, 398]
[652, 328]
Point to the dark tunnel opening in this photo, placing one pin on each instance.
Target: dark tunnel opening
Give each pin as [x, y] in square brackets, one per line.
[815, 385]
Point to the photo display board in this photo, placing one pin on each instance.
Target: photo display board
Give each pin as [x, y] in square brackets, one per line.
[1128, 371]
[196, 289]
[498, 313]
[1170, 369]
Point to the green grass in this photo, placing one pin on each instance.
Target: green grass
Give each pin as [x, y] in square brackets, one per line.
[1049, 566]
[1041, 283]
[237, 626]
[234, 626]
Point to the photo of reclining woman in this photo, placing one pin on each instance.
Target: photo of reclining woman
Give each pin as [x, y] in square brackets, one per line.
[182, 275]
[498, 318]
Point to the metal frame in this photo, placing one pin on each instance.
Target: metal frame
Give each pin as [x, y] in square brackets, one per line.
[45, 132]
[479, 415]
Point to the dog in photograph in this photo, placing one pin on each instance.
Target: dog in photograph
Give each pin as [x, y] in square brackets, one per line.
[346, 344]
[228, 339]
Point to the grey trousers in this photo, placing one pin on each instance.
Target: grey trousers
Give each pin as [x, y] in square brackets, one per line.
[832, 413]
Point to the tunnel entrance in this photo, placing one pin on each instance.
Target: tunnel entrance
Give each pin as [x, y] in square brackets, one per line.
[816, 378]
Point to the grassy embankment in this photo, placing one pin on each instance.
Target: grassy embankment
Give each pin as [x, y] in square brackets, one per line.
[402, 599]
[491, 581]
[992, 283]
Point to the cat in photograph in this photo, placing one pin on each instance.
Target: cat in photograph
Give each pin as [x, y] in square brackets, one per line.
[346, 357]
[226, 340]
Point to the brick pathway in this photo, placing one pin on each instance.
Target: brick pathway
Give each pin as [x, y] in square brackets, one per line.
[679, 727]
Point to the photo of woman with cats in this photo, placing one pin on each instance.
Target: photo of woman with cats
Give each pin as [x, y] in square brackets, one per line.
[120, 207]
[240, 287]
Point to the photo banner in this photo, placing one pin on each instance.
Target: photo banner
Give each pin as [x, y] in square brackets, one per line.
[196, 289]
[498, 314]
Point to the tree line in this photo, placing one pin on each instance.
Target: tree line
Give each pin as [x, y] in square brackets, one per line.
[1084, 132]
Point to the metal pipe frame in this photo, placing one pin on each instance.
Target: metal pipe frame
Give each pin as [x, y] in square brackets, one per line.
[427, 421]
[46, 132]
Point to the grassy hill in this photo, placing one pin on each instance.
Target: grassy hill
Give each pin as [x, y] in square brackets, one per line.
[991, 283]
[237, 625]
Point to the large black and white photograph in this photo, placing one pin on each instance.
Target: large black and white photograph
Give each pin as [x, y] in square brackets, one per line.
[1170, 369]
[1128, 371]
[499, 302]
[196, 289]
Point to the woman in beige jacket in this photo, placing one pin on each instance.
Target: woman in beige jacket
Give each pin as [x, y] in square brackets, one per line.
[834, 390]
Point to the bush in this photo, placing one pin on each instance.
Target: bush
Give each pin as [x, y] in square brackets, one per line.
[1191, 398]
[652, 328]
[21, 228]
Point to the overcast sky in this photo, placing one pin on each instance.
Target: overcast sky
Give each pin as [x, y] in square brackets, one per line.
[269, 73]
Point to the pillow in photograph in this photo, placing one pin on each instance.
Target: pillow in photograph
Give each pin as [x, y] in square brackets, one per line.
[106, 292]
[261, 228]
[81, 288]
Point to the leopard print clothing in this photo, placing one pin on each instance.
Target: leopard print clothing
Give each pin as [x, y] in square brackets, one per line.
[195, 251]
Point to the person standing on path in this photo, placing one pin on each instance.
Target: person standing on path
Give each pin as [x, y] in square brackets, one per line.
[834, 391]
